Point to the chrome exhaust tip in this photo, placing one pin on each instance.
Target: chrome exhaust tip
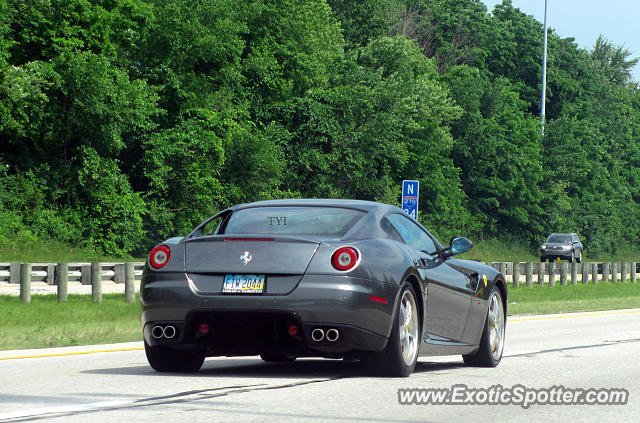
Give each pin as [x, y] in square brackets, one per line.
[317, 334]
[169, 331]
[157, 332]
[333, 335]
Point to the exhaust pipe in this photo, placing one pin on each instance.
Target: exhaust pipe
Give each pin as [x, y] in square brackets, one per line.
[157, 332]
[169, 331]
[317, 334]
[333, 335]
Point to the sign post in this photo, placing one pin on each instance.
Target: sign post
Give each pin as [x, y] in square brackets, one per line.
[410, 191]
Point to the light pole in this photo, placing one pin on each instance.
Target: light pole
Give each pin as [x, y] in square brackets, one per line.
[544, 71]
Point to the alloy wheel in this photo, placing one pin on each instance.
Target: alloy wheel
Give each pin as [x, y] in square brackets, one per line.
[496, 325]
[408, 328]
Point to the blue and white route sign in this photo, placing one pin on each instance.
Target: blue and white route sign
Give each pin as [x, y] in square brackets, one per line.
[410, 191]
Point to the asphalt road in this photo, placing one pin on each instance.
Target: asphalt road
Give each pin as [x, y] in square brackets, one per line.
[583, 350]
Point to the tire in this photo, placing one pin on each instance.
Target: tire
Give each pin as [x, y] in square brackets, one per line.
[573, 256]
[491, 346]
[400, 356]
[579, 259]
[165, 359]
[277, 358]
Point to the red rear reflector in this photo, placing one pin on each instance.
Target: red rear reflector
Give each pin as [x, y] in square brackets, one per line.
[378, 299]
[159, 256]
[249, 239]
[292, 330]
[203, 328]
[345, 258]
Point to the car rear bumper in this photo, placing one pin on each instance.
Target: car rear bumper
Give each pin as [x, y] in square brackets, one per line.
[251, 324]
[552, 255]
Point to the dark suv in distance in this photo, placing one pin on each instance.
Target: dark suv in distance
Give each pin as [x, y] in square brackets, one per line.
[561, 246]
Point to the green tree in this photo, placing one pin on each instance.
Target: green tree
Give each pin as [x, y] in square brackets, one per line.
[69, 107]
[111, 212]
[498, 150]
[364, 21]
[614, 61]
[385, 120]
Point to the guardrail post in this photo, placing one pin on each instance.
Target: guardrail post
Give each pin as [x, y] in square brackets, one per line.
[515, 266]
[62, 280]
[605, 272]
[25, 283]
[541, 272]
[633, 272]
[594, 272]
[621, 268]
[552, 274]
[563, 273]
[502, 268]
[574, 273]
[85, 274]
[14, 272]
[585, 273]
[614, 272]
[528, 271]
[51, 274]
[129, 282]
[118, 273]
[96, 282]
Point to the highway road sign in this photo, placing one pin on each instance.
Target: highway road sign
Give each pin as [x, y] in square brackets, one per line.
[410, 191]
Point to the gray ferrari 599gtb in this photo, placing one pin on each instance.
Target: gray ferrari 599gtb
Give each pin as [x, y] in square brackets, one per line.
[319, 278]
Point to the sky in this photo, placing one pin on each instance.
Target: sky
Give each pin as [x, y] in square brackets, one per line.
[584, 20]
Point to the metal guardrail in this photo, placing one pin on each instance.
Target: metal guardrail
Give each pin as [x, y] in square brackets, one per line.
[77, 272]
[95, 274]
[60, 274]
[563, 272]
[115, 272]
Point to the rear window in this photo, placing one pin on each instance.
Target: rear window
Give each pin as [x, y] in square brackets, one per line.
[559, 238]
[320, 221]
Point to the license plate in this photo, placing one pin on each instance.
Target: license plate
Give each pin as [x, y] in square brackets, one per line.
[243, 284]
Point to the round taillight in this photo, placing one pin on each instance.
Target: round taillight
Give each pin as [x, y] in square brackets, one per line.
[159, 256]
[345, 258]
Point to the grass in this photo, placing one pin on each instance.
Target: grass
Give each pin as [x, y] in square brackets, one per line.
[572, 298]
[624, 252]
[492, 250]
[497, 250]
[53, 252]
[47, 323]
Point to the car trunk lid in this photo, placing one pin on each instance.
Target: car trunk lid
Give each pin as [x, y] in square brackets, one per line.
[282, 260]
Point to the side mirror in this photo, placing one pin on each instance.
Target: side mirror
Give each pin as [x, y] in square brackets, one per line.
[458, 245]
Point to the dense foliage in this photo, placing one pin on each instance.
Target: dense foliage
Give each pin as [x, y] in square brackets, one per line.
[123, 122]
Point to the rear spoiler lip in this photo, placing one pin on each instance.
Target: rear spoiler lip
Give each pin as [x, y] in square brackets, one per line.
[255, 238]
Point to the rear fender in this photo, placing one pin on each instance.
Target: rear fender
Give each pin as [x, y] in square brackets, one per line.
[176, 258]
